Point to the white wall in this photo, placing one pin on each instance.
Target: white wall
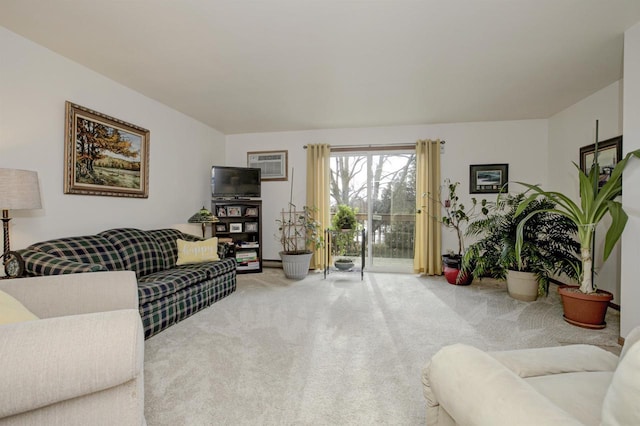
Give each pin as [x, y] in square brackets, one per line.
[522, 144]
[34, 85]
[568, 131]
[630, 276]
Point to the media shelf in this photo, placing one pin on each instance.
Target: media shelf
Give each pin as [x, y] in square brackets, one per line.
[241, 225]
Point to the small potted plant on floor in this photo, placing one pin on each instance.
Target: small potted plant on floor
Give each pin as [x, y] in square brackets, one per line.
[300, 234]
[584, 306]
[456, 218]
[549, 247]
[345, 224]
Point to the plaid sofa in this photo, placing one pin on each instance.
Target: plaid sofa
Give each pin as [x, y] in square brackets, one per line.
[167, 293]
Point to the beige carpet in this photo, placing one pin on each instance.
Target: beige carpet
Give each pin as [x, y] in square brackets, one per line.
[336, 351]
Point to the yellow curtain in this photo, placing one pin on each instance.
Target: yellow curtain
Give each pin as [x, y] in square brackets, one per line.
[318, 181]
[428, 239]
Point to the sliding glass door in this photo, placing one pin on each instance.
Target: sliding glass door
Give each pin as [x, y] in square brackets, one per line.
[380, 187]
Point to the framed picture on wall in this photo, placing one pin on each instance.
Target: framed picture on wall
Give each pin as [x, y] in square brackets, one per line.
[488, 178]
[104, 155]
[609, 153]
[273, 165]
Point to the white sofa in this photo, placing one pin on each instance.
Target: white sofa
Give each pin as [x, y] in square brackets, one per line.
[81, 362]
[567, 385]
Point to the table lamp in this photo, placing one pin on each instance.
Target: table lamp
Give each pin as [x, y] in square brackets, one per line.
[204, 216]
[19, 190]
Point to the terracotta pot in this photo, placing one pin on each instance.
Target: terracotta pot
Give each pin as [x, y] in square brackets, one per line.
[522, 285]
[584, 310]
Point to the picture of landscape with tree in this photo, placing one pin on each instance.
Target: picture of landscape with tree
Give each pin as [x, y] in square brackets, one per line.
[105, 156]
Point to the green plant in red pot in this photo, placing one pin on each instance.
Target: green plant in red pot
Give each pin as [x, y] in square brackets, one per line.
[456, 217]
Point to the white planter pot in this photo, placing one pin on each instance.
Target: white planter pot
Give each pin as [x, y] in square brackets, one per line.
[522, 285]
[295, 266]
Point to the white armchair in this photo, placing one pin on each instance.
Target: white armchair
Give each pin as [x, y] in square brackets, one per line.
[81, 362]
[568, 385]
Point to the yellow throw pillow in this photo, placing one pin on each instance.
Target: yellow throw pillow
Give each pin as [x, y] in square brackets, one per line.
[197, 251]
[13, 311]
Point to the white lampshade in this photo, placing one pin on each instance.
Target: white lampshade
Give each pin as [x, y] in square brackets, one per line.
[19, 190]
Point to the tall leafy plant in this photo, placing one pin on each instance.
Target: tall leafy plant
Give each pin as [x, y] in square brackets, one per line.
[595, 202]
[549, 246]
[456, 215]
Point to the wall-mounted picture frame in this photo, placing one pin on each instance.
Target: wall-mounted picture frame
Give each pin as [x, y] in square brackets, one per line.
[488, 178]
[104, 155]
[251, 227]
[251, 212]
[221, 227]
[234, 211]
[273, 165]
[235, 227]
[609, 153]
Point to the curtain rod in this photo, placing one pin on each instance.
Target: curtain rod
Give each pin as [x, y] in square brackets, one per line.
[374, 146]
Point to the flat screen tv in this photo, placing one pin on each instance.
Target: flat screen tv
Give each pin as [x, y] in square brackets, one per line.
[235, 182]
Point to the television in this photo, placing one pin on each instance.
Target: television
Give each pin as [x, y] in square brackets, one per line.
[235, 182]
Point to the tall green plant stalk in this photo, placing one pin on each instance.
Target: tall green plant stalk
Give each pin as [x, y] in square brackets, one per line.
[595, 203]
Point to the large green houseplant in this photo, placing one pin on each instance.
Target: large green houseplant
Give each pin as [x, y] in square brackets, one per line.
[596, 201]
[548, 246]
[456, 217]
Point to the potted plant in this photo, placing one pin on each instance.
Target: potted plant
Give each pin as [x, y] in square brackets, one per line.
[585, 306]
[548, 247]
[345, 224]
[300, 235]
[456, 217]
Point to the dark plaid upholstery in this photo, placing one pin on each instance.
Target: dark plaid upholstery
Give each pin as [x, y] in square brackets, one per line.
[85, 249]
[164, 312]
[158, 284]
[154, 286]
[166, 294]
[212, 269]
[139, 250]
[167, 238]
[41, 263]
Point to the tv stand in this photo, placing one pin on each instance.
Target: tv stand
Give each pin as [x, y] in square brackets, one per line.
[241, 226]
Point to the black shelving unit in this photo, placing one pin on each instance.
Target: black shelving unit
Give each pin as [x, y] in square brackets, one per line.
[241, 223]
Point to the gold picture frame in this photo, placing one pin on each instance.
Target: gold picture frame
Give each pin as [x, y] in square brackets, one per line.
[104, 155]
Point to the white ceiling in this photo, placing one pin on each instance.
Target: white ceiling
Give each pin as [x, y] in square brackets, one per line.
[271, 65]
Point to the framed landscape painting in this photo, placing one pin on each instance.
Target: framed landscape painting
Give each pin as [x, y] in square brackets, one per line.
[104, 155]
[488, 178]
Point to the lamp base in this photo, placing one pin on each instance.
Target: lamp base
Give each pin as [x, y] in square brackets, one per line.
[5, 229]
